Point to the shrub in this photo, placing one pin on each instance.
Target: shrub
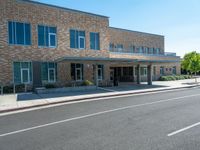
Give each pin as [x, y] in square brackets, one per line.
[177, 77]
[50, 86]
[8, 89]
[187, 76]
[171, 78]
[87, 83]
[19, 88]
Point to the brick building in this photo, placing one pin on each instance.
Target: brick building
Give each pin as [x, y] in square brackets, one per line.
[41, 43]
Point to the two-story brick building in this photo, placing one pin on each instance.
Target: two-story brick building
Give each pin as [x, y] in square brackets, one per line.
[41, 43]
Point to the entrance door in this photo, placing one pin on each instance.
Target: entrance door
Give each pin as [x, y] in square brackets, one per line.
[78, 74]
[37, 81]
[123, 74]
[25, 75]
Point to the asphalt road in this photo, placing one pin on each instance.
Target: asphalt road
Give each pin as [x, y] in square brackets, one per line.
[159, 121]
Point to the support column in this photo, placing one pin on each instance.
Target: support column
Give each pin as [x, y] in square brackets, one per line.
[138, 74]
[96, 75]
[149, 74]
[37, 79]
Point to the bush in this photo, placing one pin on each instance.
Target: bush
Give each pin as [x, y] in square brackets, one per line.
[187, 76]
[8, 89]
[175, 77]
[50, 86]
[20, 88]
[87, 83]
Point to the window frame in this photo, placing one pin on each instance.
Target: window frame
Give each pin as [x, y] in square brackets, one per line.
[95, 41]
[52, 46]
[120, 47]
[54, 75]
[100, 68]
[25, 69]
[174, 70]
[45, 71]
[143, 71]
[163, 71]
[30, 72]
[154, 70]
[81, 74]
[47, 41]
[79, 43]
[77, 67]
[14, 34]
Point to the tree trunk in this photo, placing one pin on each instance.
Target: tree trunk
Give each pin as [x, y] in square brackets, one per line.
[195, 77]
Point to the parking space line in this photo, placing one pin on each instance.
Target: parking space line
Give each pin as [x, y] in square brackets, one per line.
[184, 129]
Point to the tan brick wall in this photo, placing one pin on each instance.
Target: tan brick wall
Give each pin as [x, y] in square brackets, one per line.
[168, 66]
[50, 16]
[127, 38]
[64, 71]
[12, 10]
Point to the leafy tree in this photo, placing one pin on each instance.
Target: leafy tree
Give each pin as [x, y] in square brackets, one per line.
[191, 62]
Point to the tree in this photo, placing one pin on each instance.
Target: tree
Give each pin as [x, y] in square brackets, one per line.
[191, 62]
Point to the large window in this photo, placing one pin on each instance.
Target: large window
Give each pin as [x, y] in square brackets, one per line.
[141, 50]
[100, 72]
[161, 71]
[154, 70]
[146, 50]
[157, 51]
[77, 39]
[174, 70]
[19, 33]
[120, 47]
[132, 48]
[94, 41]
[49, 71]
[22, 72]
[77, 72]
[111, 46]
[143, 71]
[47, 36]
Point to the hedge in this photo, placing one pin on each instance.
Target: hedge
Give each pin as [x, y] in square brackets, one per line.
[174, 77]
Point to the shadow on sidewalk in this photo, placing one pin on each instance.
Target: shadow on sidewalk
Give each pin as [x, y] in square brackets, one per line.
[121, 88]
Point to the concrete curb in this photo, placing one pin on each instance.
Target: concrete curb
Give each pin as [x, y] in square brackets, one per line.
[86, 98]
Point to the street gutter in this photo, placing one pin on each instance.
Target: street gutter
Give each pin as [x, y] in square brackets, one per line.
[88, 98]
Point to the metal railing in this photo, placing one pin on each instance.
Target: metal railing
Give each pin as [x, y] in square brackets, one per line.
[12, 87]
[146, 53]
[170, 54]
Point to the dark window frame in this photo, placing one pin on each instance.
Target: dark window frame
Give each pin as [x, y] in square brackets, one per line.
[101, 69]
[74, 68]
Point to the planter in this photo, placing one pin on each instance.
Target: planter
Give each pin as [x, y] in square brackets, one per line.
[64, 89]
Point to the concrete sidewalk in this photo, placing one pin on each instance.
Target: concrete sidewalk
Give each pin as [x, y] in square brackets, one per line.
[28, 100]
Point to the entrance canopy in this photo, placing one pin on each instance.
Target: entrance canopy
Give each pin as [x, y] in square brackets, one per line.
[113, 60]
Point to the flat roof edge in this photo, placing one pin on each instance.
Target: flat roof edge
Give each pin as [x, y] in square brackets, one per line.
[63, 8]
[112, 59]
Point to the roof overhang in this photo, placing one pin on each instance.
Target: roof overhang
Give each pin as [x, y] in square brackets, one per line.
[128, 60]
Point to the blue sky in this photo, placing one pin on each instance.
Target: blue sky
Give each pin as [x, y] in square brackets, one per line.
[177, 20]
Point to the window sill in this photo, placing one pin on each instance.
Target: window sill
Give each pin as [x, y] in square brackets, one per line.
[78, 48]
[19, 45]
[47, 47]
